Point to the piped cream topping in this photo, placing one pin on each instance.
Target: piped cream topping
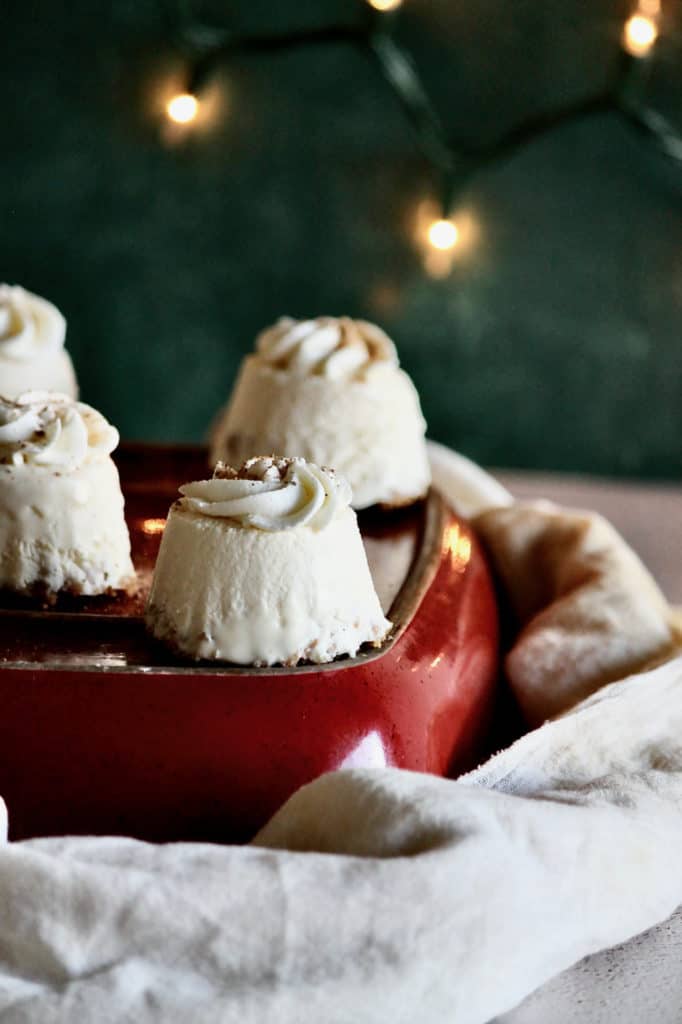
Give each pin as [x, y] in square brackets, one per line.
[30, 327]
[45, 428]
[270, 493]
[337, 348]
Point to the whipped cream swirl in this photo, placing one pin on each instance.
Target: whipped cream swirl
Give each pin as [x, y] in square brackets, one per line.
[326, 347]
[45, 428]
[270, 493]
[30, 327]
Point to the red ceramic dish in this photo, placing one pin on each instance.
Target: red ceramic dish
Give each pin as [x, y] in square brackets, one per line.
[104, 731]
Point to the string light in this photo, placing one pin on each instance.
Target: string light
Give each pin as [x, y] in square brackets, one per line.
[639, 35]
[441, 240]
[183, 108]
[187, 106]
[443, 234]
[439, 236]
[385, 5]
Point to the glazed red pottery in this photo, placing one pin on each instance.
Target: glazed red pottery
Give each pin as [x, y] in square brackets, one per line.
[103, 731]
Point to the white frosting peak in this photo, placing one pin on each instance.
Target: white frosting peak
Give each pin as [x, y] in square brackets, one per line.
[270, 493]
[337, 348]
[30, 327]
[50, 429]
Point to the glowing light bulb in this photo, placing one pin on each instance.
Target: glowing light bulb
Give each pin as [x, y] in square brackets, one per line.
[384, 5]
[639, 35]
[183, 108]
[443, 235]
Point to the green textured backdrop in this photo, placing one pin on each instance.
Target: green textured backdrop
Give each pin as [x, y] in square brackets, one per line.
[555, 342]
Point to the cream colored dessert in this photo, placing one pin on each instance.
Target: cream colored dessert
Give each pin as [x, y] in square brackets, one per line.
[331, 391]
[32, 355]
[61, 508]
[265, 566]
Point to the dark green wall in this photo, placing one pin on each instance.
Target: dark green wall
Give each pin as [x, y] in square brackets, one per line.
[556, 340]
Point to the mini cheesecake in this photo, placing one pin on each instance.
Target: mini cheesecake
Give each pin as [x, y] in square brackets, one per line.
[265, 566]
[61, 509]
[32, 354]
[332, 392]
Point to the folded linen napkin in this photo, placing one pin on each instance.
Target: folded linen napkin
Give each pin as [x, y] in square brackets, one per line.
[387, 895]
[588, 610]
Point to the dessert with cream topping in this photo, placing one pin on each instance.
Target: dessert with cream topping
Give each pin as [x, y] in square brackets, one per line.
[331, 391]
[61, 508]
[265, 565]
[32, 354]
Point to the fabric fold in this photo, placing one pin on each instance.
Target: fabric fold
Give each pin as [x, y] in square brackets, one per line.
[587, 609]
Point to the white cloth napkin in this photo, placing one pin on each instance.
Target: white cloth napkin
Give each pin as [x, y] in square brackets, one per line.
[468, 486]
[377, 896]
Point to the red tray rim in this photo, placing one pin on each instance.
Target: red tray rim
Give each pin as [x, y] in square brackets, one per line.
[417, 582]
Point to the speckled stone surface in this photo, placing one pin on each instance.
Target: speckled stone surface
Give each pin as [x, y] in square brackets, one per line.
[635, 983]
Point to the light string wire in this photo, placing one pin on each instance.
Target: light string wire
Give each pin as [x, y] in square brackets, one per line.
[455, 163]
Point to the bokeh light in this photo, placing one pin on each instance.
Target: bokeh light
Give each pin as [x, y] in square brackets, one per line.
[639, 35]
[443, 235]
[385, 5]
[183, 108]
